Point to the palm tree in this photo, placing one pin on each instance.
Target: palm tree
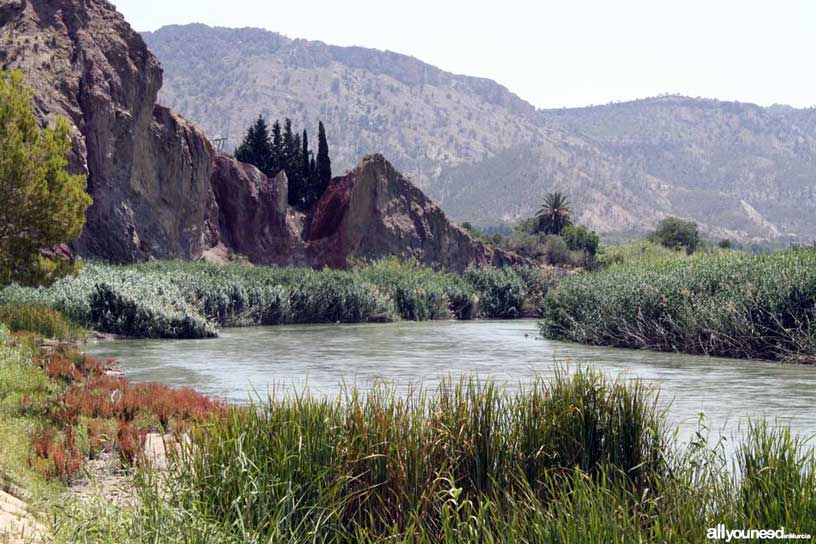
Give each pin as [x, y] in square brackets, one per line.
[555, 214]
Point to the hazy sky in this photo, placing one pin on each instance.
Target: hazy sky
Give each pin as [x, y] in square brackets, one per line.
[553, 54]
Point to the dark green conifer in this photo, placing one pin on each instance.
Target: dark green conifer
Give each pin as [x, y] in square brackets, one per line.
[277, 149]
[324, 172]
[256, 147]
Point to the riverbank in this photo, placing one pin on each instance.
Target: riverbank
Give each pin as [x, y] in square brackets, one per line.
[727, 304]
[577, 458]
[191, 300]
[61, 412]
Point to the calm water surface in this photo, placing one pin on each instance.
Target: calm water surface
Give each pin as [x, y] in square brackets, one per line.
[245, 362]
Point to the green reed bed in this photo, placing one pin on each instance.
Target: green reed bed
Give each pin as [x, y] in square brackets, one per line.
[579, 458]
[725, 304]
[191, 300]
[41, 320]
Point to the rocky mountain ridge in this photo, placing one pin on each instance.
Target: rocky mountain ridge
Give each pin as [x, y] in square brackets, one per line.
[161, 191]
[486, 156]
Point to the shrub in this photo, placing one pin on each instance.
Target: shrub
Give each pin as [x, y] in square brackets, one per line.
[675, 233]
[420, 293]
[501, 291]
[189, 300]
[579, 238]
[130, 443]
[121, 311]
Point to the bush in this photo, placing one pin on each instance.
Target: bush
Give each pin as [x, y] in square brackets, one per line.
[641, 252]
[120, 310]
[579, 238]
[502, 293]
[675, 233]
[189, 300]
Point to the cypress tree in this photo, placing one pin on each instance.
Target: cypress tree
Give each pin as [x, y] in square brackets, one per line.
[277, 149]
[256, 148]
[291, 163]
[324, 173]
[304, 158]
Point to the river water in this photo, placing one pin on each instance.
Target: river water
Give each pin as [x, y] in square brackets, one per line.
[244, 363]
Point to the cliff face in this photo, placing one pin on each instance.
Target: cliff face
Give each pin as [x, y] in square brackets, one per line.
[159, 189]
[148, 169]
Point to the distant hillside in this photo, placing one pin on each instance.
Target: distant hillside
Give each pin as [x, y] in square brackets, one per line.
[487, 156]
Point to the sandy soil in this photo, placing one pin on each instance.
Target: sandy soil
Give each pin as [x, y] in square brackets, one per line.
[17, 525]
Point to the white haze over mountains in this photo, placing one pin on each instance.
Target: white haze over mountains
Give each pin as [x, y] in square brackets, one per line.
[555, 54]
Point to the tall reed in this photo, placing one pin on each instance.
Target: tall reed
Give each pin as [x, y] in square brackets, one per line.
[191, 300]
[726, 304]
[579, 458]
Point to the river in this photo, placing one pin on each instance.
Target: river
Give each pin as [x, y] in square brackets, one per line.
[243, 363]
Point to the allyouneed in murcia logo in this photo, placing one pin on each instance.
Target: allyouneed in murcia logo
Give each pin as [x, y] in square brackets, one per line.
[721, 533]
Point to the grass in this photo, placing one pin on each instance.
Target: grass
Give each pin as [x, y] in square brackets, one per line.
[639, 252]
[20, 379]
[726, 304]
[59, 408]
[191, 300]
[580, 458]
[39, 319]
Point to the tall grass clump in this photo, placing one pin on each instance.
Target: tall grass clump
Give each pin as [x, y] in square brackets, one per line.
[380, 464]
[420, 293]
[190, 300]
[778, 473]
[41, 320]
[502, 291]
[580, 458]
[724, 304]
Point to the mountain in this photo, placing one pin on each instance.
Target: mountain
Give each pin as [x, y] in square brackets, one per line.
[161, 191]
[487, 156]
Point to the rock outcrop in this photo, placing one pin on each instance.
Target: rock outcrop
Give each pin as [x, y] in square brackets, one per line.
[374, 212]
[160, 190]
[254, 217]
[148, 169]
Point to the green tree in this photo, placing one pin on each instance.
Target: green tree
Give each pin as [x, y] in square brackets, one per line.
[580, 238]
[304, 158]
[256, 149]
[43, 205]
[554, 215]
[675, 233]
[276, 154]
[324, 171]
[291, 164]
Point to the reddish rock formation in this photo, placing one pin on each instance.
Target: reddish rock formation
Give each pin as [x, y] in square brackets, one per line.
[374, 212]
